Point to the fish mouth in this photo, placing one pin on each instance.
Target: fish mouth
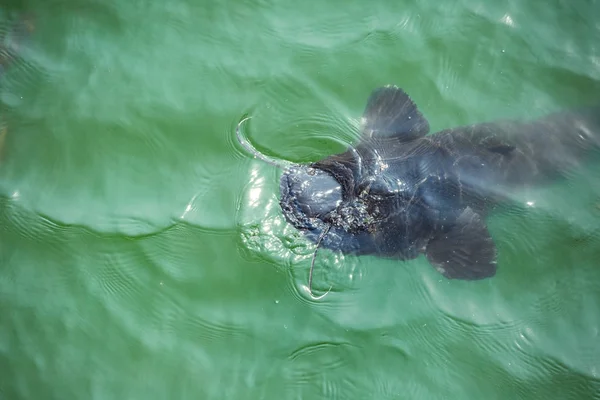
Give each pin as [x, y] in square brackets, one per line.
[308, 195]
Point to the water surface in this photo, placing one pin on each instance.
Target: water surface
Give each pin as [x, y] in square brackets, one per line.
[142, 251]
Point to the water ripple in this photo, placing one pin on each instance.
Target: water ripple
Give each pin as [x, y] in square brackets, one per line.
[207, 326]
[29, 225]
[116, 278]
[303, 120]
[317, 366]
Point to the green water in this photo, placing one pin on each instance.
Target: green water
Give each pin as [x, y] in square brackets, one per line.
[142, 251]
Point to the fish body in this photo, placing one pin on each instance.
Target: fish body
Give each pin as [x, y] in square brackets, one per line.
[401, 192]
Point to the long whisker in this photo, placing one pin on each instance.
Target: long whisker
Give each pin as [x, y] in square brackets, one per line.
[252, 150]
[312, 266]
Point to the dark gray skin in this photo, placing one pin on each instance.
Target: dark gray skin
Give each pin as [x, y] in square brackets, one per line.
[399, 193]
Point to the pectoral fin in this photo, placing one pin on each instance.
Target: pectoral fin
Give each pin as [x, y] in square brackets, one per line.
[390, 113]
[466, 251]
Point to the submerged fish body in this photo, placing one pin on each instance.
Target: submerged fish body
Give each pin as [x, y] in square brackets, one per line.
[401, 192]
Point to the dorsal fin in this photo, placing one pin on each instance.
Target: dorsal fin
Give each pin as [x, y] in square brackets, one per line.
[390, 113]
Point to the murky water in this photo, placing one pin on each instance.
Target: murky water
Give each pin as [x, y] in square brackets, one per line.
[143, 254]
